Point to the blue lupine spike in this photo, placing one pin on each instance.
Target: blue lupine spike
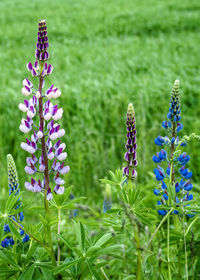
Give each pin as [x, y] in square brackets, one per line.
[183, 187]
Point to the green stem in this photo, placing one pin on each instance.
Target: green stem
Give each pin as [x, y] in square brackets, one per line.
[156, 231]
[168, 247]
[139, 260]
[185, 246]
[59, 221]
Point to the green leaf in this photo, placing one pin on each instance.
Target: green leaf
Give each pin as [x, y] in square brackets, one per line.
[47, 273]
[14, 230]
[12, 201]
[93, 270]
[70, 204]
[4, 272]
[1, 229]
[8, 259]
[82, 236]
[65, 266]
[103, 239]
[28, 273]
[65, 241]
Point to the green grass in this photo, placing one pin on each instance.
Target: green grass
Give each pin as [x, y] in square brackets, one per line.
[105, 55]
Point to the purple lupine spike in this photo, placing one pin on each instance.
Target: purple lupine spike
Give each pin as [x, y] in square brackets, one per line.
[47, 130]
[130, 155]
[41, 52]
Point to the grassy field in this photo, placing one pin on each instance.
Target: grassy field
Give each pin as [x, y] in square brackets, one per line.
[105, 55]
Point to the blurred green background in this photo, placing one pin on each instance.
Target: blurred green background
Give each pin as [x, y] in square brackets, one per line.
[105, 54]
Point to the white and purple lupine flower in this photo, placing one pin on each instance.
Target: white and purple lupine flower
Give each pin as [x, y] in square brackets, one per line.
[41, 120]
[131, 146]
[176, 165]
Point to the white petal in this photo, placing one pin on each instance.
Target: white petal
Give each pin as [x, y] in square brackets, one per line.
[38, 94]
[62, 156]
[24, 146]
[53, 136]
[23, 107]
[30, 150]
[30, 114]
[24, 129]
[25, 92]
[39, 134]
[47, 116]
[61, 133]
[57, 94]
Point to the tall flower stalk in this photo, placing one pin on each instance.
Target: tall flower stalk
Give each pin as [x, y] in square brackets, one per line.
[131, 175]
[131, 146]
[41, 121]
[174, 179]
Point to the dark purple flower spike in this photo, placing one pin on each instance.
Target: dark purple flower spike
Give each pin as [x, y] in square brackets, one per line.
[131, 146]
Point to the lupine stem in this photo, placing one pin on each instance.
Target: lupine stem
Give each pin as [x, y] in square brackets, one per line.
[168, 247]
[59, 220]
[155, 232]
[44, 152]
[185, 247]
[46, 171]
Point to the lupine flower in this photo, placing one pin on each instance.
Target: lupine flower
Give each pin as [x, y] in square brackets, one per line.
[131, 146]
[45, 129]
[181, 175]
[13, 184]
[107, 203]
